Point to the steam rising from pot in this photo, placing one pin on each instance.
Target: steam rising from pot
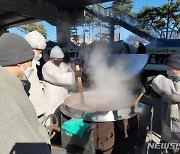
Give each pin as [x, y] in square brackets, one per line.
[111, 87]
[111, 80]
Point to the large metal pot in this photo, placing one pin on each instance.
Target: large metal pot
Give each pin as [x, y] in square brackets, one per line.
[106, 134]
[96, 107]
[107, 115]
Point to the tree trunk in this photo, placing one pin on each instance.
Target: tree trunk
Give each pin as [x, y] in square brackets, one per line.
[89, 33]
[100, 24]
[92, 32]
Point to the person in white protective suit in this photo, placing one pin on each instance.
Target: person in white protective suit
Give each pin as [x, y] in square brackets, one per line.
[58, 78]
[37, 97]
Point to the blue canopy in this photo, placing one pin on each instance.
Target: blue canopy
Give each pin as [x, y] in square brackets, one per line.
[163, 46]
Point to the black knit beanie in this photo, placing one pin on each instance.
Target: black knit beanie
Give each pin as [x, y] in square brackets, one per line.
[14, 49]
[173, 60]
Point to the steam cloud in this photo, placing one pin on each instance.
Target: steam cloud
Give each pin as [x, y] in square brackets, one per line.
[110, 80]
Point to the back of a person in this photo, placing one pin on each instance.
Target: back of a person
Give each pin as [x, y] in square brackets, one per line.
[18, 114]
[141, 49]
[20, 129]
[36, 94]
[171, 109]
[38, 44]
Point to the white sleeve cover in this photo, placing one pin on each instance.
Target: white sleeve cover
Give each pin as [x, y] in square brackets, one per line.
[57, 77]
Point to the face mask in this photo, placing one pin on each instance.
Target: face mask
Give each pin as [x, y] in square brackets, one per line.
[37, 56]
[27, 73]
[57, 62]
[173, 75]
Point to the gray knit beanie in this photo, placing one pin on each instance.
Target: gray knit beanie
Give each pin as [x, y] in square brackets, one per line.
[173, 60]
[14, 49]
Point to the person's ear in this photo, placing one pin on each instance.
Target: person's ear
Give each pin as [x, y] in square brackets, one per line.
[52, 60]
[178, 71]
[18, 65]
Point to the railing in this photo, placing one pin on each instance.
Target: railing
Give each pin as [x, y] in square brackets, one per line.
[132, 23]
[119, 18]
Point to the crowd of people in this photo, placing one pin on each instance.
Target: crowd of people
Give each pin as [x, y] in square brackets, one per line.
[26, 101]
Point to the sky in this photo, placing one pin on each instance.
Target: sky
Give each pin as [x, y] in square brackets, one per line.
[138, 5]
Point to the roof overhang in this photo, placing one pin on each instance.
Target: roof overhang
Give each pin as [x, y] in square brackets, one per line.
[11, 17]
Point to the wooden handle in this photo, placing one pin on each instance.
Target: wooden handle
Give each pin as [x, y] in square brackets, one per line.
[80, 84]
[139, 97]
[79, 80]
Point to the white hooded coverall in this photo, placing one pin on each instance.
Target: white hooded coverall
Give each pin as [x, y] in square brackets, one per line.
[57, 80]
[36, 93]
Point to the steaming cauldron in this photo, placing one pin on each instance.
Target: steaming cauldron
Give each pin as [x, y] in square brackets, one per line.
[106, 134]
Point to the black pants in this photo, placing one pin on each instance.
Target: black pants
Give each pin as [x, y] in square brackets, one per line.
[125, 145]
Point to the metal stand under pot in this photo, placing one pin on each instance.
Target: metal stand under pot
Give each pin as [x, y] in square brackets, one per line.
[107, 133]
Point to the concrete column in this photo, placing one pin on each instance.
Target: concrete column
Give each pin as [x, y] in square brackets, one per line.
[112, 32]
[63, 31]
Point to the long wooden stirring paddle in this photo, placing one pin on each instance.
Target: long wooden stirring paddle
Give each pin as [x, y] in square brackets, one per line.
[77, 63]
[139, 97]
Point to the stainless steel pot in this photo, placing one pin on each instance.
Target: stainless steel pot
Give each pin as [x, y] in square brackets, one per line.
[95, 108]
